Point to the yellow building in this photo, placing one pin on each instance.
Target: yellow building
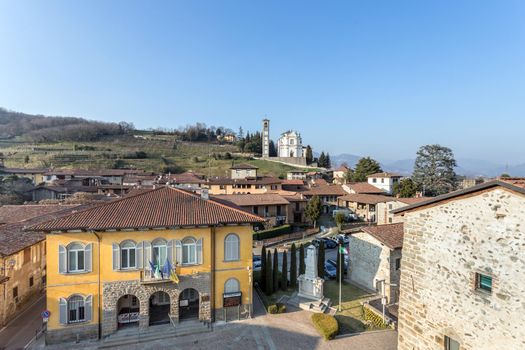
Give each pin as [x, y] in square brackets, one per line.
[161, 256]
[248, 185]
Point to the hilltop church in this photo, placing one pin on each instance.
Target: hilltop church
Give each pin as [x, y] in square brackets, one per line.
[290, 147]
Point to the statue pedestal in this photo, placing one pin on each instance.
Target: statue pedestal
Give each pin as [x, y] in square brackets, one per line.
[311, 288]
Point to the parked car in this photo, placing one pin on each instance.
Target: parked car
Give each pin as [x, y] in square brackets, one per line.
[346, 239]
[334, 264]
[329, 243]
[330, 271]
[257, 263]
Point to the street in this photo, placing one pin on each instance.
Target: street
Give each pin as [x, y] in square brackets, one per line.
[20, 331]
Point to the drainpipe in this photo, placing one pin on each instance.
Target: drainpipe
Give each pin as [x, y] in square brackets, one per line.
[212, 279]
[99, 291]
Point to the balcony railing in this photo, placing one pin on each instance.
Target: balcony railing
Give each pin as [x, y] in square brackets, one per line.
[148, 276]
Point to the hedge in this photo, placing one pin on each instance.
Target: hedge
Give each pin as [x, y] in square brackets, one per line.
[326, 325]
[374, 318]
[278, 308]
[271, 233]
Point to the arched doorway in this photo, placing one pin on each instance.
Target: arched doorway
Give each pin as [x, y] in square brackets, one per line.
[159, 308]
[128, 311]
[188, 304]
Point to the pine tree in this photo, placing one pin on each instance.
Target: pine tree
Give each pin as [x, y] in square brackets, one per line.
[328, 163]
[309, 155]
[293, 267]
[313, 209]
[262, 277]
[284, 272]
[365, 167]
[322, 160]
[269, 274]
[275, 270]
[302, 267]
[434, 170]
[320, 260]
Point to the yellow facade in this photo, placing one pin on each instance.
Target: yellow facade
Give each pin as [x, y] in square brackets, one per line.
[215, 189]
[103, 275]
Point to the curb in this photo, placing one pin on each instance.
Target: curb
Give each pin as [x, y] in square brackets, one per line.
[342, 336]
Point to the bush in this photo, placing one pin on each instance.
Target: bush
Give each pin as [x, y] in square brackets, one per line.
[271, 233]
[374, 318]
[278, 308]
[326, 325]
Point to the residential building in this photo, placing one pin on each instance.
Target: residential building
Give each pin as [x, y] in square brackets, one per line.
[296, 175]
[362, 188]
[384, 181]
[271, 206]
[375, 259]
[249, 185]
[58, 192]
[463, 271]
[242, 171]
[109, 266]
[23, 256]
[384, 209]
[35, 175]
[340, 174]
[293, 185]
[328, 194]
[363, 205]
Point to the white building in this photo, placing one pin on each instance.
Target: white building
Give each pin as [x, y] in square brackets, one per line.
[384, 181]
[290, 144]
[243, 171]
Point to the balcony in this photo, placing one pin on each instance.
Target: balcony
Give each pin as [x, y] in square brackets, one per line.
[148, 277]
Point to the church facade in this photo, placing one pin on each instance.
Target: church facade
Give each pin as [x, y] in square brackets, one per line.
[289, 146]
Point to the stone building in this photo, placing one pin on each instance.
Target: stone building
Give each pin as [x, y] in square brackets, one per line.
[290, 144]
[375, 259]
[463, 270]
[384, 210]
[162, 256]
[242, 171]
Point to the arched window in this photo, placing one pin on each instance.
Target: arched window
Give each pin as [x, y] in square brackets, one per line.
[75, 257]
[160, 251]
[128, 255]
[189, 250]
[231, 247]
[76, 310]
[232, 286]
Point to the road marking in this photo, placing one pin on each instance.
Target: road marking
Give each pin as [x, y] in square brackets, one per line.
[268, 338]
[257, 338]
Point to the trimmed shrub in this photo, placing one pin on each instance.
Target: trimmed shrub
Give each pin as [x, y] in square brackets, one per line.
[271, 233]
[273, 309]
[326, 325]
[278, 308]
[281, 308]
[373, 318]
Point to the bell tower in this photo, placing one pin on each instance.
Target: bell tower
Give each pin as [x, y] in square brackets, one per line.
[266, 139]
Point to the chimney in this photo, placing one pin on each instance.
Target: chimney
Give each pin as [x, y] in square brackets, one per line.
[204, 194]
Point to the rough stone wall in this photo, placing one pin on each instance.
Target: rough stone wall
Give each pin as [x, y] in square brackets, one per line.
[384, 214]
[113, 291]
[393, 289]
[444, 246]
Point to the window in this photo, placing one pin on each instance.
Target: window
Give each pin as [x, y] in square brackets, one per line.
[382, 180]
[451, 344]
[255, 210]
[374, 180]
[390, 206]
[128, 253]
[27, 255]
[231, 247]
[15, 293]
[279, 210]
[189, 251]
[160, 252]
[398, 263]
[76, 311]
[75, 253]
[232, 286]
[483, 283]
[266, 210]
[31, 281]
[389, 220]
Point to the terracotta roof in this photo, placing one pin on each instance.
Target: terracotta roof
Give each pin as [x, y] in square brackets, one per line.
[184, 178]
[14, 237]
[412, 200]
[243, 200]
[22, 171]
[163, 207]
[510, 185]
[15, 213]
[366, 198]
[244, 166]
[293, 182]
[325, 190]
[343, 168]
[364, 187]
[390, 235]
[96, 172]
[385, 174]
[516, 181]
[63, 189]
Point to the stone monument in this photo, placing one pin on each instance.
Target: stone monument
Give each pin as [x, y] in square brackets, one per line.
[310, 285]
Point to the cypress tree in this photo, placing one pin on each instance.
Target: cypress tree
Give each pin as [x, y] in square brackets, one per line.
[284, 272]
[302, 267]
[275, 270]
[293, 267]
[262, 277]
[320, 260]
[269, 276]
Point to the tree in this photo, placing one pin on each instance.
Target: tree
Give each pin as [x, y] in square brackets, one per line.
[284, 272]
[320, 260]
[405, 188]
[365, 167]
[275, 270]
[322, 160]
[269, 274]
[240, 135]
[302, 267]
[313, 210]
[309, 155]
[262, 278]
[327, 161]
[271, 149]
[293, 267]
[434, 170]
[340, 219]
[349, 175]
[504, 175]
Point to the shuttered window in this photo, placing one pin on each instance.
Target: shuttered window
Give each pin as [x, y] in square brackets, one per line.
[76, 309]
[128, 255]
[231, 247]
[75, 258]
[189, 251]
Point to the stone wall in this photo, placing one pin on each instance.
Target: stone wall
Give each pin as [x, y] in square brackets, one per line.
[289, 160]
[80, 332]
[113, 291]
[444, 246]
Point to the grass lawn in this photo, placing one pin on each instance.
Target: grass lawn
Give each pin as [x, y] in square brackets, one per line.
[350, 317]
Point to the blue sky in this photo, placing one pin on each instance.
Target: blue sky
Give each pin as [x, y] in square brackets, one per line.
[376, 78]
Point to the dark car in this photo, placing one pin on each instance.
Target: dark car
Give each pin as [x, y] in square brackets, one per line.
[329, 243]
[330, 271]
[334, 264]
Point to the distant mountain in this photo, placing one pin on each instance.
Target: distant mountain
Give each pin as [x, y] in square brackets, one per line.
[350, 159]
